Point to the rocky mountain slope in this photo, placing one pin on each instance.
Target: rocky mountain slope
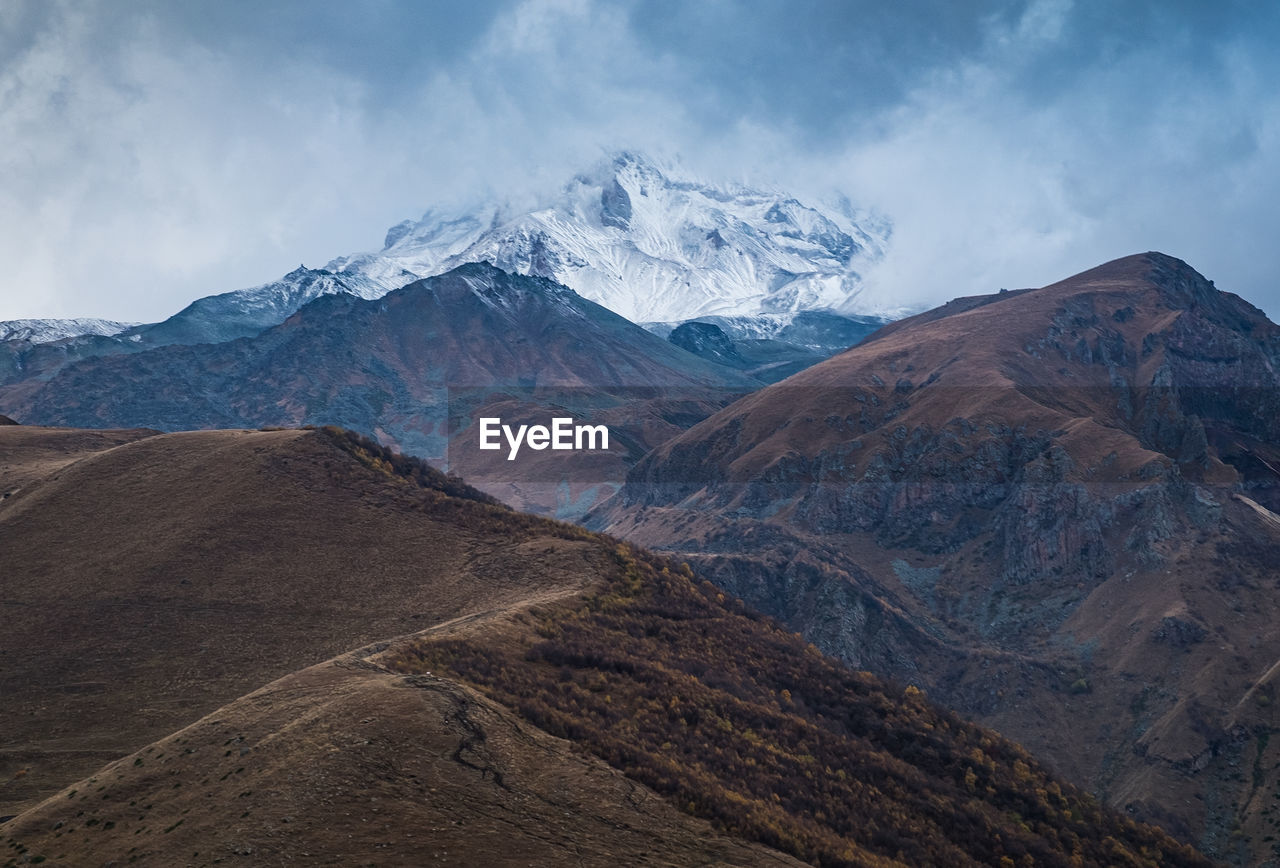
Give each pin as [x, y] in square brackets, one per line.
[1047, 506]
[217, 557]
[418, 368]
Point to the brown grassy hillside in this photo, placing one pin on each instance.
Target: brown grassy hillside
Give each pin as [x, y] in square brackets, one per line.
[342, 764]
[148, 581]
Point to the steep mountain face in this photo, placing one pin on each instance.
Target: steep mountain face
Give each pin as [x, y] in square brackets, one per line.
[1048, 505]
[653, 246]
[39, 331]
[708, 341]
[150, 576]
[419, 368]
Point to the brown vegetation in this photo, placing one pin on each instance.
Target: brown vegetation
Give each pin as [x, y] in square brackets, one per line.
[747, 726]
[342, 764]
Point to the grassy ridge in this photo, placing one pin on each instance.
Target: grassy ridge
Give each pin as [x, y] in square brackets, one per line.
[744, 724]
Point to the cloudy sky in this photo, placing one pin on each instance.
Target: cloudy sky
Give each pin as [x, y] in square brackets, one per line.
[153, 152]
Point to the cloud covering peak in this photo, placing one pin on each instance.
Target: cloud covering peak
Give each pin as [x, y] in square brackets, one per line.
[162, 151]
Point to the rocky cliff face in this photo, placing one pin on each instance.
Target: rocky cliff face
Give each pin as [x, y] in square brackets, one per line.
[1039, 504]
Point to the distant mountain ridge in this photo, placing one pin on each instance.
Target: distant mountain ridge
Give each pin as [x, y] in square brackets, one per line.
[39, 331]
[247, 312]
[402, 366]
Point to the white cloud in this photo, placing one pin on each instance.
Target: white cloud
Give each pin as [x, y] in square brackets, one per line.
[145, 171]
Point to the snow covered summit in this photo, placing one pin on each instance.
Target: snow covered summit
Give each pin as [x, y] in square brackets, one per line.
[653, 246]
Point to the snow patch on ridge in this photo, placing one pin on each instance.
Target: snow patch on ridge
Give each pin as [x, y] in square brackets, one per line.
[41, 331]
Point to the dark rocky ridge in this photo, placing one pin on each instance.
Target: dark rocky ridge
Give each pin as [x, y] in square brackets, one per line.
[615, 206]
[770, 351]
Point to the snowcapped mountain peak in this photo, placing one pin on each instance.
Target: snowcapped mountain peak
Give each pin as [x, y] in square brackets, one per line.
[645, 239]
[652, 244]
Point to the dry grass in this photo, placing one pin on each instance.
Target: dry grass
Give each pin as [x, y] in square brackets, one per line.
[146, 582]
[342, 764]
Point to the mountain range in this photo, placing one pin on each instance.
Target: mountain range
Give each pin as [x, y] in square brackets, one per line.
[1054, 511]
[473, 342]
[648, 243]
[779, 276]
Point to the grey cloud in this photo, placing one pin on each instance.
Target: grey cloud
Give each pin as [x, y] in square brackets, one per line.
[182, 149]
[822, 65]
